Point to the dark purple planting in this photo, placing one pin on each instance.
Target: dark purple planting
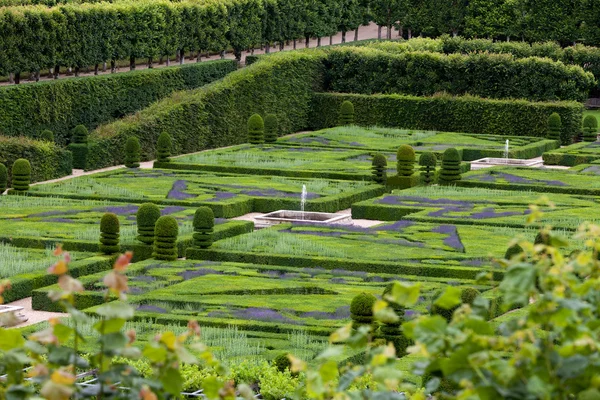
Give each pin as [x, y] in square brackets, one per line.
[337, 280]
[119, 210]
[262, 314]
[171, 210]
[189, 274]
[217, 196]
[453, 239]
[149, 308]
[491, 213]
[177, 191]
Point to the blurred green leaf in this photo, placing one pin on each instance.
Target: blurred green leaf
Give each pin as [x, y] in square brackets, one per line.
[449, 299]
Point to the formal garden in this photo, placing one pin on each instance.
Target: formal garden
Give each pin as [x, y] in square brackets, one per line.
[196, 201]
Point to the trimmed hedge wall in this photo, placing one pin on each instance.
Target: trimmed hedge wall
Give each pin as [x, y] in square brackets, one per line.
[448, 113]
[27, 110]
[48, 161]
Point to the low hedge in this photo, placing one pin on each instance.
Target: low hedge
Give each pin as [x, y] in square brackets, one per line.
[569, 157]
[448, 113]
[48, 161]
[27, 110]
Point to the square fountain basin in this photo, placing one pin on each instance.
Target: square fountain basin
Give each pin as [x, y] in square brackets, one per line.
[283, 216]
[507, 162]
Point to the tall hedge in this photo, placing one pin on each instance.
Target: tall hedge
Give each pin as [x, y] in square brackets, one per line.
[60, 105]
[3, 178]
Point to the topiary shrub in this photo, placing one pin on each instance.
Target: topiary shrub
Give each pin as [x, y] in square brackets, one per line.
[361, 309]
[47, 135]
[164, 146]
[405, 157]
[346, 116]
[554, 126]
[379, 168]
[428, 162]
[282, 362]
[132, 152]
[392, 331]
[468, 296]
[3, 178]
[204, 221]
[590, 129]
[21, 175]
[79, 146]
[512, 251]
[146, 218]
[271, 128]
[79, 134]
[109, 234]
[256, 129]
[165, 239]
[450, 171]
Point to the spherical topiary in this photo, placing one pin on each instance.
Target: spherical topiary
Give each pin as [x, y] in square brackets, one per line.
[47, 135]
[3, 178]
[405, 159]
[109, 234]
[21, 175]
[165, 242]
[132, 152]
[469, 295]
[346, 116]
[163, 147]
[361, 309]
[282, 362]
[590, 129]
[256, 129]
[379, 168]
[554, 126]
[512, 251]
[450, 171]
[271, 128]
[204, 221]
[79, 134]
[146, 218]
[428, 162]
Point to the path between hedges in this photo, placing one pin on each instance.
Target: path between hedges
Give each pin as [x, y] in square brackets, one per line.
[33, 316]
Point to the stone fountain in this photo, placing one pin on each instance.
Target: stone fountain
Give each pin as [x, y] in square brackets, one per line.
[506, 161]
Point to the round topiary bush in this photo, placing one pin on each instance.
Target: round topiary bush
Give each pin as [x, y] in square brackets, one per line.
[450, 171]
[204, 221]
[513, 251]
[165, 242]
[554, 126]
[132, 152]
[282, 362]
[79, 134]
[21, 175]
[590, 129]
[346, 116]
[379, 168]
[164, 147]
[47, 135]
[361, 309]
[256, 129]
[109, 234]
[428, 162]
[405, 157]
[3, 178]
[469, 295]
[146, 218]
[271, 128]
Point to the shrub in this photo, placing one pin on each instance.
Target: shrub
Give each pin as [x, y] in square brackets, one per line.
[165, 242]
[271, 128]
[554, 126]
[47, 135]
[282, 362]
[79, 146]
[512, 251]
[450, 171]
[379, 168]
[132, 152]
[3, 178]
[405, 160]
[109, 234]
[590, 128]
[79, 134]
[256, 129]
[163, 147]
[204, 221]
[428, 162]
[346, 115]
[21, 175]
[146, 218]
[361, 309]
[468, 296]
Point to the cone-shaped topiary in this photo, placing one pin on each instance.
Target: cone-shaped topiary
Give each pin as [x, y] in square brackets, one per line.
[163, 147]
[47, 135]
[361, 309]
[79, 146]
[450, 172]
[21, 175]
[346, 114]
[271, 128]
[590, 129]
[132, 152]
[146, 218]
[3, 178]
[405, 160]
[513, 251]
[554, 126]
[428, 162]
[256, 129]
[165, 242]
[204, 221]
[79, 134]
[109, 234]
[379, 168]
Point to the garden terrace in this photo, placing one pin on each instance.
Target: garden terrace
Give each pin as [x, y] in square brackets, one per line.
[228, 195]
[575, 154]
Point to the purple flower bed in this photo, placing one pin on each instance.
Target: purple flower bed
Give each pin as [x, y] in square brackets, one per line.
[262, 314]
[276, 193]
[397, 226]
[345, 272]
[119, 210]
[453, 239]
[59, 220]
[340, 313]
[218, 196]
[594, 169]
[171, 210]
[337, 280]
[189, 274]
[491, 213]
[177, 191]
[149, 308]
[494, 176]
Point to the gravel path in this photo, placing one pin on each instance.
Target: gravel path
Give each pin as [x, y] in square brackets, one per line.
[33, 316]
